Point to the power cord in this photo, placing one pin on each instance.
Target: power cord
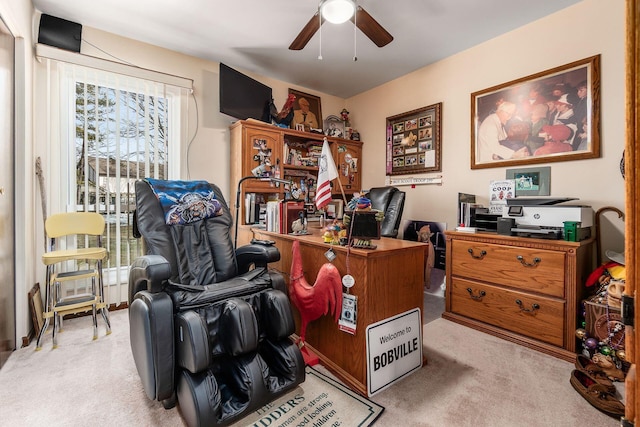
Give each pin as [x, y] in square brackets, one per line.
[107, 53]
[195, 101]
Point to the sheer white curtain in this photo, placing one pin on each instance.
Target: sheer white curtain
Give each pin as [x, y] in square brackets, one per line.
[105, 130]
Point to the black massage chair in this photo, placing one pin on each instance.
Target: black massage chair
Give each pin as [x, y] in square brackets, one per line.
[209, 324]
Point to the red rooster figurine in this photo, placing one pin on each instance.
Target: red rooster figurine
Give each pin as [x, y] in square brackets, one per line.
[286, 108]
[321, 298]
[285, 115]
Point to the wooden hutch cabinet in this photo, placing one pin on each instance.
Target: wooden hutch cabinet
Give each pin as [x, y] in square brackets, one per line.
[525, 290]
[347, 155]
[260, 149]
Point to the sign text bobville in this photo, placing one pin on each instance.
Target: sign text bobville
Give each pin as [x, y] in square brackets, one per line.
[394, 349]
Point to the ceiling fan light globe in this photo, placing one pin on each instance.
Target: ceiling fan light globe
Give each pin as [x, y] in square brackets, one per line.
[337, 11]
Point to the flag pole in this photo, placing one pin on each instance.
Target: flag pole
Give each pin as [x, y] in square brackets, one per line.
[327, 172]
[346, 203]
[344, 197]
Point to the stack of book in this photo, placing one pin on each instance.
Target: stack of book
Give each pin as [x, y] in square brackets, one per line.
[280, 215]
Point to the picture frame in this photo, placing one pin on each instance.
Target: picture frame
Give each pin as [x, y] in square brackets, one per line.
[531, 181]
[335, 209]
[414, 141]
[36, 307]
[313, 119]
[334, 126]
[550, 116]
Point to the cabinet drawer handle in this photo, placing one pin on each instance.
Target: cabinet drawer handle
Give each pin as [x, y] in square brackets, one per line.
[482, 254]
[536, 261]
[478, 297]
[533, 308]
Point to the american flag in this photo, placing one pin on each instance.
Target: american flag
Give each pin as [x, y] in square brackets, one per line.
[327, 172]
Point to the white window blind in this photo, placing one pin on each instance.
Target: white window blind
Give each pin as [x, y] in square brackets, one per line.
[106, 130]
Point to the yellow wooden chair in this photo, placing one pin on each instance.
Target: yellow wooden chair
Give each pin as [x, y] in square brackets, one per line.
[57, 304]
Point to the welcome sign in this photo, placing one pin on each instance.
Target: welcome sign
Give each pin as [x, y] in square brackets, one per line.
[394, 349]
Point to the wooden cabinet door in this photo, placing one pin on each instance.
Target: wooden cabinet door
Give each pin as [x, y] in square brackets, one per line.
[348, 158]
[262, 156]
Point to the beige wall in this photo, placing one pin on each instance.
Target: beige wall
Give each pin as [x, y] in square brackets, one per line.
[590, 27]
[209, 151]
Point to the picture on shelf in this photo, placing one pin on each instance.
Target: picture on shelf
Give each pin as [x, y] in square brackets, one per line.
[334, 126]
[499, 192]
[531, 181]
[335, 209]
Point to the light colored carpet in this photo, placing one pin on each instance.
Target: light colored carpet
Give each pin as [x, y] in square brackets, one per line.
[472, 379]
[432, 308]
[477, 380]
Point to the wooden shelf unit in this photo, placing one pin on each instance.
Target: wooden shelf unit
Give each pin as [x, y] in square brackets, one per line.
[262, 149]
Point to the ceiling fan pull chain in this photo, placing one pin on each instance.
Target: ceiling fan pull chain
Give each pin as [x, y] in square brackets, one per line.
[320, 30]
[355, 35]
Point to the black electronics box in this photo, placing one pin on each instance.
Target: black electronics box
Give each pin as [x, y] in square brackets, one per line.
[505, 225]
[60, 33]
[483, 220]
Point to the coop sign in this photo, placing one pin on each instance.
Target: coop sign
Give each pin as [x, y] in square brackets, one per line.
[394, 349]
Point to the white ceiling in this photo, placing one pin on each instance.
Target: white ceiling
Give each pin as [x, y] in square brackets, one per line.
[254, 35]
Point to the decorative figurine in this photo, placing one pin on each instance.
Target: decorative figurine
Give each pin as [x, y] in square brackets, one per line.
[345, 117]
[324, 297]
[424, 236]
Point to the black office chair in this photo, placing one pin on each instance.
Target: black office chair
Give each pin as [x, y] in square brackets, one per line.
[389, 200]
[209, 325]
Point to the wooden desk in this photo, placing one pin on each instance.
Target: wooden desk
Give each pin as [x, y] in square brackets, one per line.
[389, 281]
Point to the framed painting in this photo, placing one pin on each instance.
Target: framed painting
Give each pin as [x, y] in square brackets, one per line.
[414, 141]
[550, 116]
[307, 111]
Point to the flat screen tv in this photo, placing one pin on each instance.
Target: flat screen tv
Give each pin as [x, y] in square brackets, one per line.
[243, 97]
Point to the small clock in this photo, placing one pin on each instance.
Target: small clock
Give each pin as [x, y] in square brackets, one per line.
[606, 324]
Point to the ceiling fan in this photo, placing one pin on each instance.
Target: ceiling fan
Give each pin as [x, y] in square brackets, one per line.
[338, 11]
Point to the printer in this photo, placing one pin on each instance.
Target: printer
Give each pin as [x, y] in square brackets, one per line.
[542, 218]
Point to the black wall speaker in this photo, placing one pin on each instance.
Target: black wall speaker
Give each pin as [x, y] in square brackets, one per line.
[60, 33]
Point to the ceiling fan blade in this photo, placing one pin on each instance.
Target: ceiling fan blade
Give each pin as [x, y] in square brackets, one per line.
[371, 28]
[307, 32]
